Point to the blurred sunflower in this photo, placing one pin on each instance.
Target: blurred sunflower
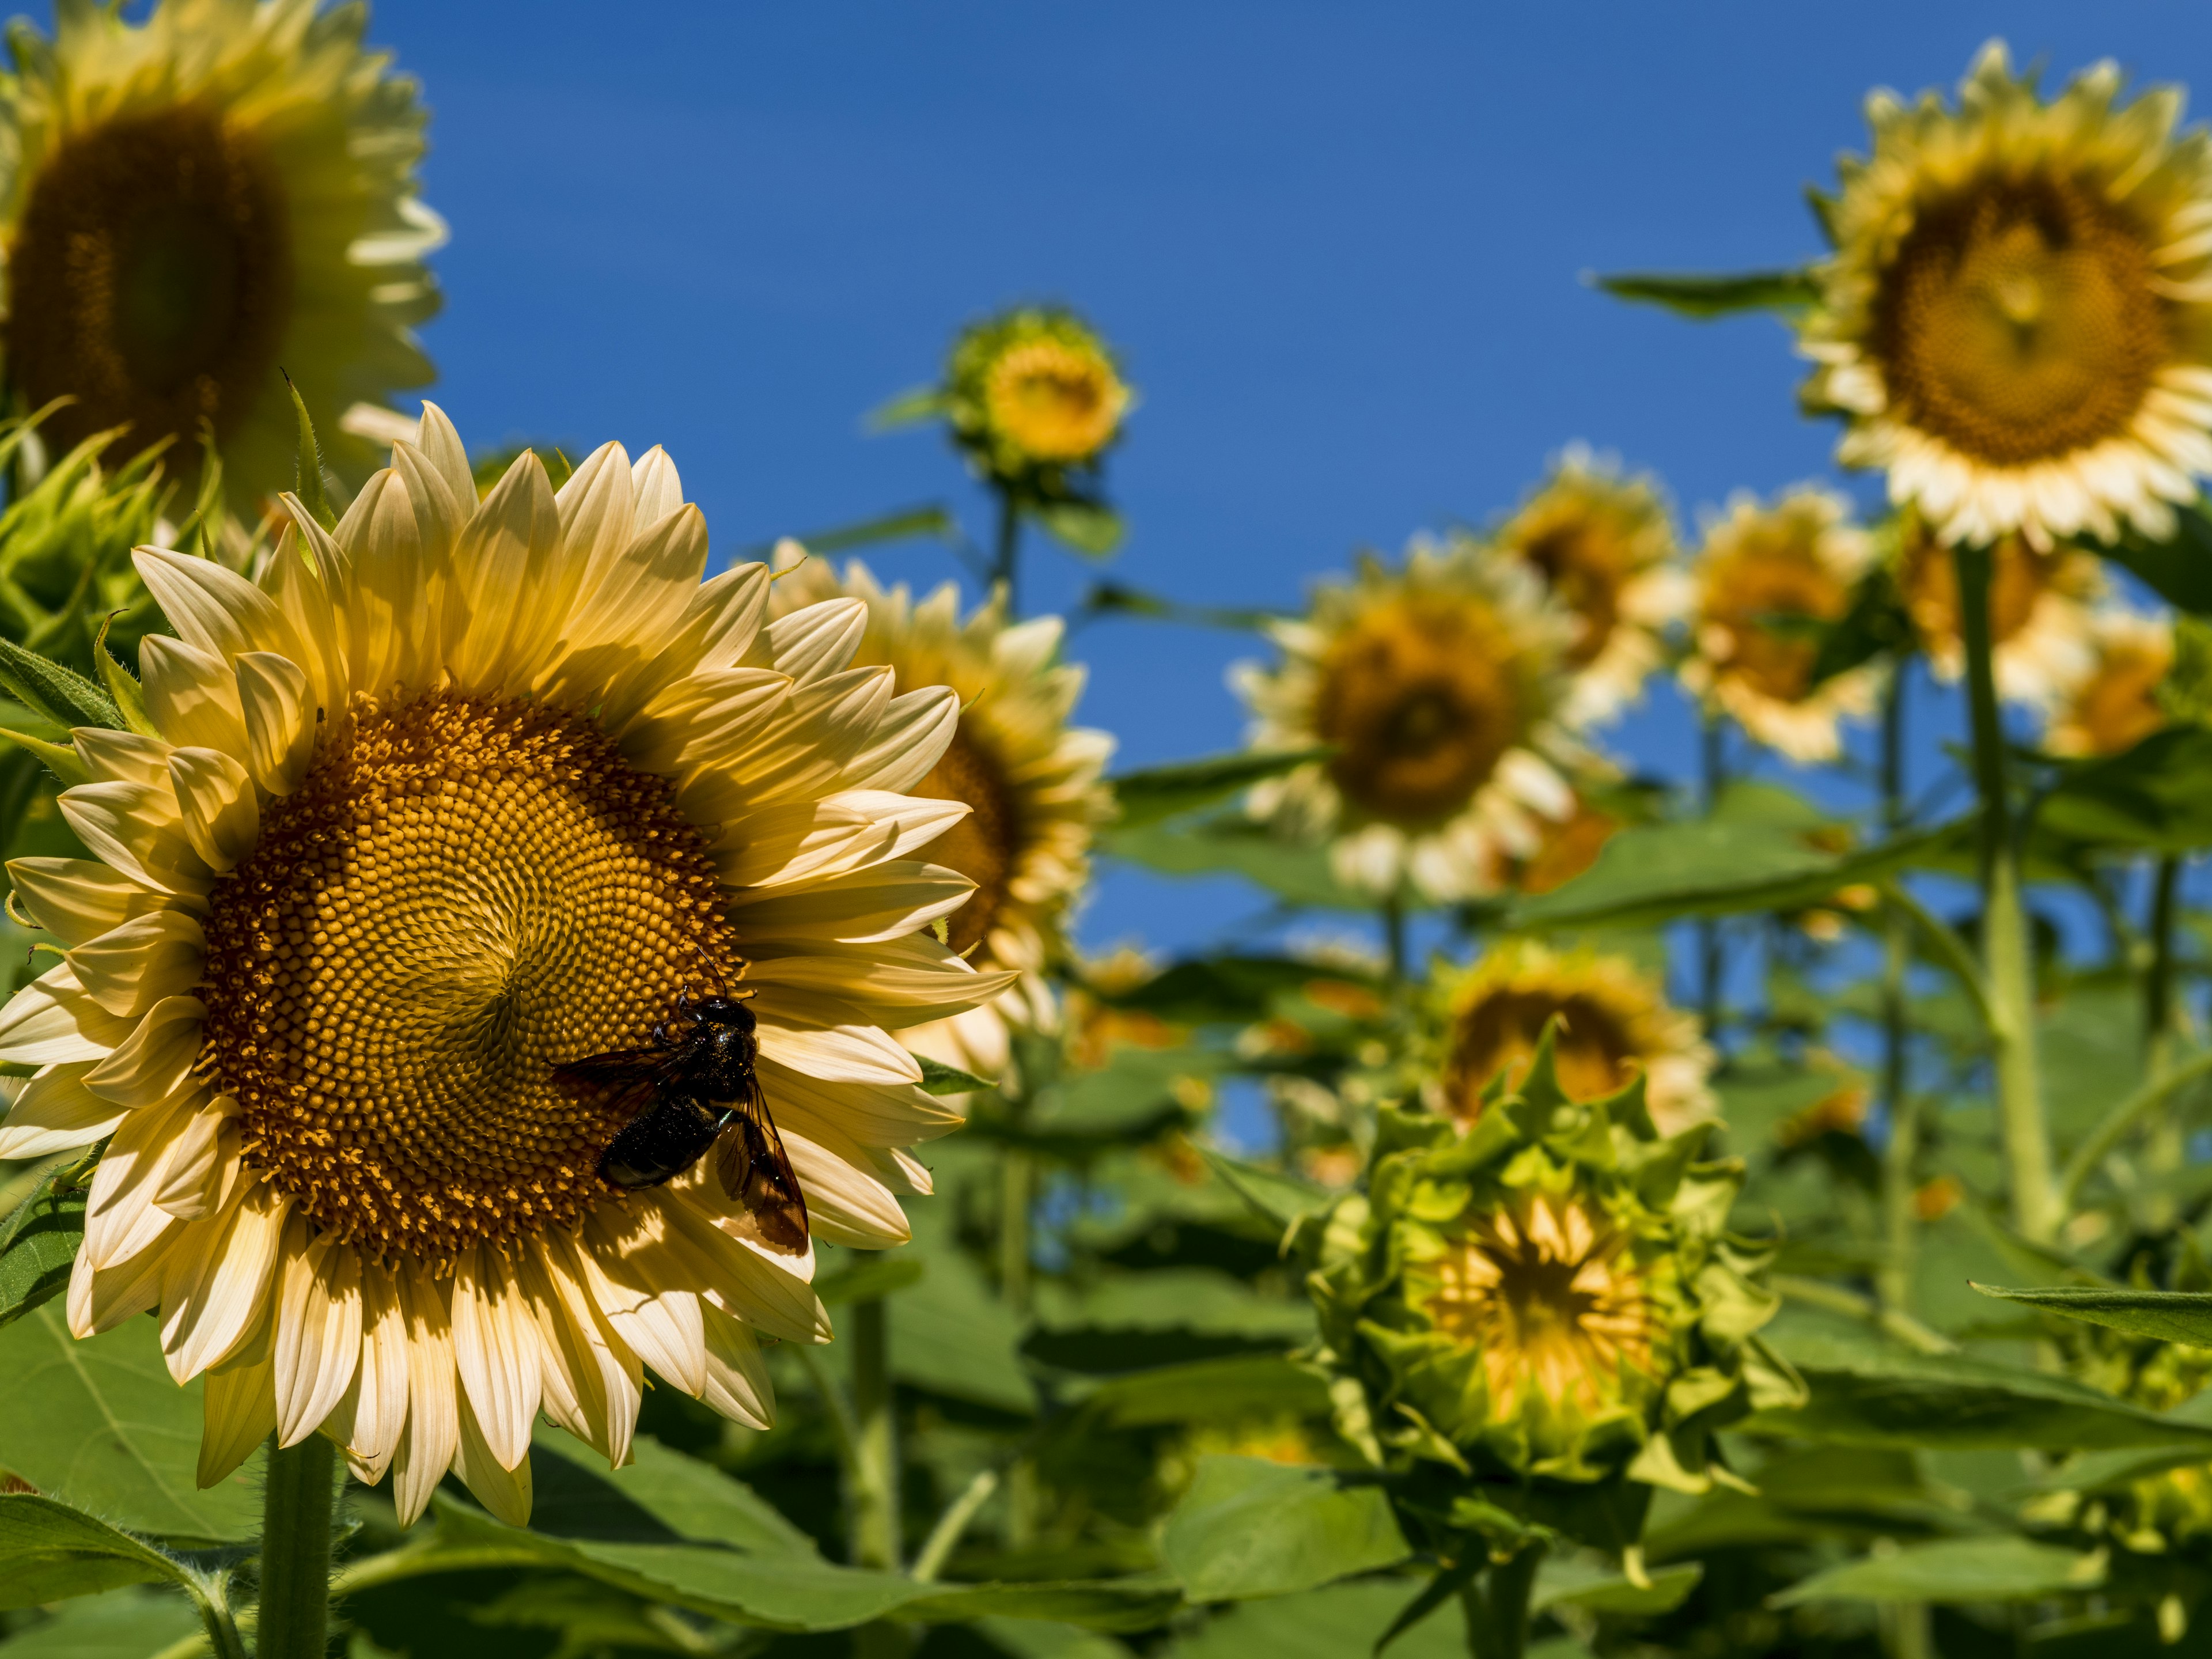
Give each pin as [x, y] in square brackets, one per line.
[2016, 321]
[1768, 574]
[1031, 782]
[2115, 705]
[1614, 1025]
[2039, 611]
[1565, 849]
[189, 202]
[1439, 684]
[1605, 546]
[461, 792]
[1032, 393]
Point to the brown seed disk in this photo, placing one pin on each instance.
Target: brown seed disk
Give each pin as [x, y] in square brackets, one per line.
[463, 895]
[982, 845]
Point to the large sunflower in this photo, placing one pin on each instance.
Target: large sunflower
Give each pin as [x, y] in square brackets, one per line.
[2016, 321]
[1605, 545]
[1031, 782]
[1439, 684]
[2115, 705]
[2039, 611]
[190, 203]
[1767, 576]
[458, 794]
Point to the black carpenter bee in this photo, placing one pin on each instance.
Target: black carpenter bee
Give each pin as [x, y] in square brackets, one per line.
[695, 1088]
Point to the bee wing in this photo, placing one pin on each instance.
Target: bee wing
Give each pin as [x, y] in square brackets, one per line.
[756, 1172]
[623, 1081]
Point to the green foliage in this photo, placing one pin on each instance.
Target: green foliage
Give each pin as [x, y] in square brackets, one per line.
[1707, 297]
[1249, 1527]
[38, 1246]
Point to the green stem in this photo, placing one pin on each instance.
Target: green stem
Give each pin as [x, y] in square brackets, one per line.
[2159, 1031]
[2123, 1117]
[1835, 1298]
[1948, 946]
[1006, 560]
[2007, 946]
[297, 1509]
[1497, 1606]
[211, 1594]
[1903, 1148]
[1712, 968]
[876, 1490]
[1393, 936]
[946, 1535]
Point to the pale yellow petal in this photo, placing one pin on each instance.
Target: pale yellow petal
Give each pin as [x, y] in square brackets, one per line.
[154, 1061]
[215, 799]
[278, 701]
[79, 899]
[129, 969]
[54, 1112]
[318, 1330]
[192, 695]
[496, 1352]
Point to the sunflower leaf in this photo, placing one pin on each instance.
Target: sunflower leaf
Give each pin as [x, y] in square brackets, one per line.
[938, 1079]
[1707, 297]
[55, 693]
[1160, 793]
[307, 480]
[2177, 568]
[38, 1244]
[909, 408]
[1091, 528]
[49, 1552]
[1953, 1570]
[1249, 1527]
[2164, 1315]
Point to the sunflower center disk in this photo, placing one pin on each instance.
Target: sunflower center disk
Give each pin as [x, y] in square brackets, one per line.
[1547, 1299]
[2020, 321]
[463, 895]
[1420, 702]
[2018, 578]
[981, 846]
[1055, 404]
[1750, 594]
[1587, 568]
[150, 275]
[1590, 1050]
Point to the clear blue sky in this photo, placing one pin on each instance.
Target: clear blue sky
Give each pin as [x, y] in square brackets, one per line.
[1339, 246]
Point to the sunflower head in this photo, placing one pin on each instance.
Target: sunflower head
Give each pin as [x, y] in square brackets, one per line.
[2124, 697]
[1034, 391]
[191, 201]
[1438, 684]
[2016, 320]
[1549, 1294]
[1608, 1020]
[1767, 576]
[2039, 605]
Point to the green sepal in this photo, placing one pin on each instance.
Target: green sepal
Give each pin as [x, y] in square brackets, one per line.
[122, 685]
[308, 478]
[55, 693]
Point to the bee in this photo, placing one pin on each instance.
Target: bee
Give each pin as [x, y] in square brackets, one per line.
[695, 1090]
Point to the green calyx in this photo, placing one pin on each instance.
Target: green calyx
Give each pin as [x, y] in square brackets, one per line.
[1033, 398]
[1552, 1295]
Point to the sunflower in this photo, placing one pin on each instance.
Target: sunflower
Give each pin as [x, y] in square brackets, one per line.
[1033, 393]
[2016, 320]
[1768, 575]
[1439, 684]
[1605, 546]
[1614, 1024]
[1565, 849]
[457, 793]
[189, 202]
[2115, 705]
[2039, 610]
[1031, 782]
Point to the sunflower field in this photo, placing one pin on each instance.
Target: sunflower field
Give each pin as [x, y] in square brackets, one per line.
[555, 1107]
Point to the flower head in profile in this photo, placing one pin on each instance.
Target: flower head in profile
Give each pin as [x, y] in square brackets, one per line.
[1548, 1293]
[2116, 703]
[1031, 783]
[1032, 394]
[191, 202]
[2015, 322]
[2039, 611]
[456, 794]
[1610, 1023]
[1440, 682]
[1768, 576]
[1605, 546]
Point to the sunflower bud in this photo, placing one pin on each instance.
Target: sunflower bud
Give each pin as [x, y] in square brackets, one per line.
[1030, 394]
[1550, 1293]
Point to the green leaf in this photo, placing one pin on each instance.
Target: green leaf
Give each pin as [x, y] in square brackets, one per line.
[1231, 988]
[871, 1277]
[2165, 1315]
[1160, 793]
[100, 1424]
[938, 1079]
[1342, 1622]
[1707, 297]
[1119, 599]
[53, 692]
[1249, 1527]
[931, 520]
[2178, 568]
[1875, 625]
[1091, 528]
[49, 1552]
[38, 1247]
[1136, 1603]
[1864, 1395]
[951, 1336]
[2157, 795]
[1710, 867]
[1277, 1198]
[1953, 1570]
[307, 473]
[128, 1625]
[1131, 1321]
[660, 1496]
[1209, 1390]
[1571, 1583]
[909, 408]
[1136, 1093]
[1231, 844]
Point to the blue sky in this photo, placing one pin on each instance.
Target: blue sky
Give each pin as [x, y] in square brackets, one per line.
[1341, 248]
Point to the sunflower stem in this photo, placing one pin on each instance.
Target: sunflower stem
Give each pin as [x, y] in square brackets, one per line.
[1393, 936]
[875, 1459]
[211, 1594]
[1712, 968]
[1497, 1606]
[298, 1506]
[1903, 1146]
[1007, 559]
[2006, 948]
[2159, 1033]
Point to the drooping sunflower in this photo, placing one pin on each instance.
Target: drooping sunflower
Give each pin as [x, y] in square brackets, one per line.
[190, 203]
[1762, 568]
[2016, 321]
[1440, 684]
[1614, 1024]
[2039, 611]
[1032, 394]
[2115, 705]
[1605, 546]
[456, 794]
[1031, 782]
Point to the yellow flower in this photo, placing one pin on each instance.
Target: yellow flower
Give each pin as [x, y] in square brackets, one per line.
[1034, 391]
[1031, 782]
[189, 202]
[2115, 706]
[1761, 568]
[2040, 627]
[1605, 547]
[456, 794]
[1439, 684]
[2016, 321]
[1615, 1023]
[1565, 849]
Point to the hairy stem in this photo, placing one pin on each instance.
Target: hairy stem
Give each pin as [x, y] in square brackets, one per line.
[295, 1550]
[2007, 946]
[875, 1518]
